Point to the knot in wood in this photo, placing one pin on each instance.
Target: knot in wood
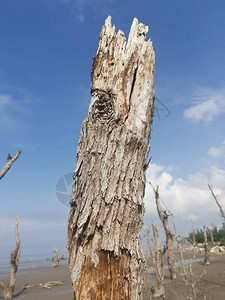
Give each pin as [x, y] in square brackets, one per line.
[103, 108]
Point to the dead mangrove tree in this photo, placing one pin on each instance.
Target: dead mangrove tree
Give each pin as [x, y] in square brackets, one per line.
[163, 215]
[106, 215]
[56, 258]
[9, 285]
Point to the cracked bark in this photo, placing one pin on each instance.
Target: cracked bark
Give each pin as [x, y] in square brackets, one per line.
[106, 215]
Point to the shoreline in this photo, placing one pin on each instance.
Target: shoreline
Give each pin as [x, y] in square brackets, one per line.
[212, 284]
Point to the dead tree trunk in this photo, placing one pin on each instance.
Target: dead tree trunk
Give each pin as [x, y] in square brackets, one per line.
[211, 236]
[56, 259]
[157, 260]
[10, 160]
[105, 253]
[163, 215]
[194, 242]
[9, 285]
[216, 200]
[206, 261]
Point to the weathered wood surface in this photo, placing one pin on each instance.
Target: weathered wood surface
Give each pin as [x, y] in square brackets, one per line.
[10, 160]
[106, 259]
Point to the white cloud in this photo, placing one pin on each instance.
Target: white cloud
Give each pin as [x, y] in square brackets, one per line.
[188, 198]
[193, 218]
[218, 178]
[5, 100]
[79, 7]
[207, 105]
[217, 151]
[13, 105]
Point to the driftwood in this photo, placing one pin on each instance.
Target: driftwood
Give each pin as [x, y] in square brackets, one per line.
[10, 160]
[106, 215]
[216, 200]
[46, 285]
[9, 285]
[56, 259]
[163, 215]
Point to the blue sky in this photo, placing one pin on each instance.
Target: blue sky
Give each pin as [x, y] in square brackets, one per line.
[45, 62]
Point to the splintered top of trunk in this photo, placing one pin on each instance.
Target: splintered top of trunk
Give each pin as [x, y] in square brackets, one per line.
[125, 69]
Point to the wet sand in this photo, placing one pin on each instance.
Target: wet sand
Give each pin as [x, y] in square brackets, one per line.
[43, 275]
[211, 284]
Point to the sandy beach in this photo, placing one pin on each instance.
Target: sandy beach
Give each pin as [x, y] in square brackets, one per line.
[212, 284]
[43, 275]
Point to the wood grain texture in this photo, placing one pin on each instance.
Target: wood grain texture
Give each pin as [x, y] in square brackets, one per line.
[106, 214]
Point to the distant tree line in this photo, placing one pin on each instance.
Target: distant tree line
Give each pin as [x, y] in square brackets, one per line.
[218, 235]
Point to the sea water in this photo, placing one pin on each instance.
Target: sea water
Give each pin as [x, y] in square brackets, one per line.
[27, 262]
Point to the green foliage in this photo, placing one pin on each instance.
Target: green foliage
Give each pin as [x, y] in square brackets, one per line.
[218, 235]
[222, 242]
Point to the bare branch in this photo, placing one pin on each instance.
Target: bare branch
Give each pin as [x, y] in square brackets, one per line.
[163, 215]
[184, 271]
[2, 284]
[147, 163]
[217, 202]
[193, 283]
[10, 160]
[56, 259]
[175, 232]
